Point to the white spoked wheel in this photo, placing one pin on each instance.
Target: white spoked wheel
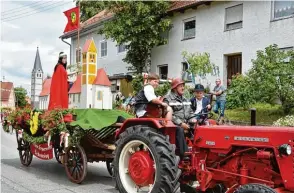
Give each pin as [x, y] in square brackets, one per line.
[145, 162]
[136, 167]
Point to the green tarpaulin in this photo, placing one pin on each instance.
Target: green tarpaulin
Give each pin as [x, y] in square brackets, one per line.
[96, 118]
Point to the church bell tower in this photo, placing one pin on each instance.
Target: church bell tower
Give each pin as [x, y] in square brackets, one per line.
[36, 81]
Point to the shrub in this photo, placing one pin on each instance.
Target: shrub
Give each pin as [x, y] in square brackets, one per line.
[240, 93]
[285, 121]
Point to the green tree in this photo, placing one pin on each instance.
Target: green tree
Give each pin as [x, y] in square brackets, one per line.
[272, 76]
[137, 24]
[200, 63]
[20, 96]
[90, 8]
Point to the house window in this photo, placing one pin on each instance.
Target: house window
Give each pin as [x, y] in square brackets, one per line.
[99, 95]
[283, 9]
[84, 58]
[184, 66]
[78, 55]
[113, 85]
[287, 60]
[189, 28]
[104, 48]
[163, 71]
[185, 75]
[74, 98]
[234, 17]
[79, 97]
[164, 36]
[121, 48]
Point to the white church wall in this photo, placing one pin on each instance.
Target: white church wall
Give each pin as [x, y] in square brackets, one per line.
[102, 97]
[44, 102]
[74, 101]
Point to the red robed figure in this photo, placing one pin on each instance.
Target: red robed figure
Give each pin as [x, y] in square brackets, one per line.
[59, 85]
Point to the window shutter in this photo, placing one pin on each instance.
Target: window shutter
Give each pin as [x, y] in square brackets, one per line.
[234, 14]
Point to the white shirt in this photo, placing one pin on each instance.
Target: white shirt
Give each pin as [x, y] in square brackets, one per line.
[150, 95]
[199, 106]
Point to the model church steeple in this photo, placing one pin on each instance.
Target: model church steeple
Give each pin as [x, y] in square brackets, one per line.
[36, 81]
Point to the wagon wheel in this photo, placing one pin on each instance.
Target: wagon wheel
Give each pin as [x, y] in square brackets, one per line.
[109, 166]
[57, 152]
[75, 163]
[24, 151]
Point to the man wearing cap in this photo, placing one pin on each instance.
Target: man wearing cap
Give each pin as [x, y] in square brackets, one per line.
[182, 113]
[219, 91]
[200, 102]
[147, 95]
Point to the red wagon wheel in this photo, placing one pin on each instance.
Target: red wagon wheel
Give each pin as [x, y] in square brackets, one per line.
[75, 163]
[24, 151]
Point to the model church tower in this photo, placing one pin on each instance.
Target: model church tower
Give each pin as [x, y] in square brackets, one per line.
[36, 81]
[89, 70]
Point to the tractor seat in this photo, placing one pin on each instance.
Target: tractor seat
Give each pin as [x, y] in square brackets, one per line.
[154, 111]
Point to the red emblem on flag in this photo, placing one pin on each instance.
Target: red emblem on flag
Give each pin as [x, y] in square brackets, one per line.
[73, 19]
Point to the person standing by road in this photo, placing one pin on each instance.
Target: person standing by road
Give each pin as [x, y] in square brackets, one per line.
[220, 92]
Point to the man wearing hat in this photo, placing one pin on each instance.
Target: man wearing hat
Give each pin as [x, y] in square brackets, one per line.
[182, 113]
[200, 102]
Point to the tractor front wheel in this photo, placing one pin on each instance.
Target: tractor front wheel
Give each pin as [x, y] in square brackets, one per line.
[145, 161]
[255, 188]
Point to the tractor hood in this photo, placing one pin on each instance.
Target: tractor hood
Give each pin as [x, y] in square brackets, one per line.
[223, 137]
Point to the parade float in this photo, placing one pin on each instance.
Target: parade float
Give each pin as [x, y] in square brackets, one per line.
[73, 137]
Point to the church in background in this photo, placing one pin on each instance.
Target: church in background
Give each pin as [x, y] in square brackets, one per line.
[91, 88]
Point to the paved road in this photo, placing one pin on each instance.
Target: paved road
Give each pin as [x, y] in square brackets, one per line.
[46, 176]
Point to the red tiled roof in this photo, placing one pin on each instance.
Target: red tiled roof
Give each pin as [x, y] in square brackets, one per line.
[98, 17]
[86, 46]
[176, 5]
[182, 4]
[6, 88]
[46, 87]
[77, 85]
[102, 78]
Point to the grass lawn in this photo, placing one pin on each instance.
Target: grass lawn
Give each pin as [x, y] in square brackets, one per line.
[265, 113]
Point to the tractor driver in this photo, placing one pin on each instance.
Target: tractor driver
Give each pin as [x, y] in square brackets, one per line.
[182, 113]
[147, 95]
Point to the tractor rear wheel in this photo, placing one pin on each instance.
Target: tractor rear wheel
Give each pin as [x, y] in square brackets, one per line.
[145, 161]
[255, 188]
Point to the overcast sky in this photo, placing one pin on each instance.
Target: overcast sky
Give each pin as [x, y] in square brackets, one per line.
[23, 29]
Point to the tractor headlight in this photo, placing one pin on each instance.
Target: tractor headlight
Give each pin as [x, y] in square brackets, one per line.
[285, 149]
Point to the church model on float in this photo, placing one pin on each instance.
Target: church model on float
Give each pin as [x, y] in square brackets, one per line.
[91, 89]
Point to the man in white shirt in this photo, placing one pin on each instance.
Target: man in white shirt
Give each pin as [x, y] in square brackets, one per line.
[147, 96]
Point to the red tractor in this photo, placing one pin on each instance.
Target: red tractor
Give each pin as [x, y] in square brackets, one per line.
[222, 159]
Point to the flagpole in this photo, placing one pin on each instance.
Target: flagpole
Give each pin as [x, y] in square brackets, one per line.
[79, 5]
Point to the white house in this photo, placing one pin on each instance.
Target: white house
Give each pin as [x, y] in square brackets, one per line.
[230, 31]
[45, 94]
[8, 97]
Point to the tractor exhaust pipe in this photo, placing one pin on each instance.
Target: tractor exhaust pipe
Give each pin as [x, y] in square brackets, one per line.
[253, 116]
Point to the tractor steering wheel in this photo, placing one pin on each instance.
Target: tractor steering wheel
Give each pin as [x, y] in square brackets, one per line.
[203, 116]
